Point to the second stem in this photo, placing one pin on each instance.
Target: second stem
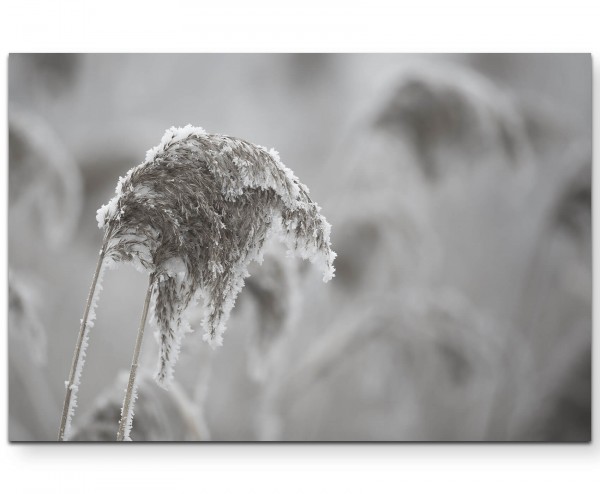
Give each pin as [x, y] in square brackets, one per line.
[129, 401]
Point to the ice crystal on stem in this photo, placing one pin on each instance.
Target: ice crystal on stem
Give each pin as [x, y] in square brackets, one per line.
[194, 215]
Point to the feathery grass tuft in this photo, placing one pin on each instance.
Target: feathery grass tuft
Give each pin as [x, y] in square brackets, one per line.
[194, 215]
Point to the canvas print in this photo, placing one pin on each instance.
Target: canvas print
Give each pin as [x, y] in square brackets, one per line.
[299, 247]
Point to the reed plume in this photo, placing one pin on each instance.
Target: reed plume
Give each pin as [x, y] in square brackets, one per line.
[194, 215]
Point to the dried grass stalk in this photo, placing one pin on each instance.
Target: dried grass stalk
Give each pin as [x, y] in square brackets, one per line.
[194, 214]
[131, 394]
[87, 322]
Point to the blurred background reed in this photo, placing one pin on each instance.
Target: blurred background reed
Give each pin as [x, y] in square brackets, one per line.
[459, 192]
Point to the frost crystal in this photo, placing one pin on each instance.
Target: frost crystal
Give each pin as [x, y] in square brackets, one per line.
[89, 323]
[195, 213]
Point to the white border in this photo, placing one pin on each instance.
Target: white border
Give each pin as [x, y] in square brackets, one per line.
[226, 26]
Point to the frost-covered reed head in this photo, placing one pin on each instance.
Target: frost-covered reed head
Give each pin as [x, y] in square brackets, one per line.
[195, 213]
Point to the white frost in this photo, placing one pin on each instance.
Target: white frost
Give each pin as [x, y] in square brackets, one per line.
[171, 136]
[89, 323]
[130, 412]
[106, 211]
[236, 166]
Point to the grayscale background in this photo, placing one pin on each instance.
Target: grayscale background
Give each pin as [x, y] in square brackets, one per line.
[459, 192]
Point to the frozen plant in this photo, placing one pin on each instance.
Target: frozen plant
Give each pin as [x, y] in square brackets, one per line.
[194, 215]
[160, 415]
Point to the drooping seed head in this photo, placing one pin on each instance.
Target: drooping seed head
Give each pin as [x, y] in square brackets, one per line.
[195, 213]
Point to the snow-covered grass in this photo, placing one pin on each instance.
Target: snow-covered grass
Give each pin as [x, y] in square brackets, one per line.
[194, 215]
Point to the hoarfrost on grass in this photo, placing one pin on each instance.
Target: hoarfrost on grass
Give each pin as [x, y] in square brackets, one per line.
[87, 324]
[130, 413]
[196, 213]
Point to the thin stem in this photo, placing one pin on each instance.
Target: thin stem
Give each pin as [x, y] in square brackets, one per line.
[129, 401]
[78, 355]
